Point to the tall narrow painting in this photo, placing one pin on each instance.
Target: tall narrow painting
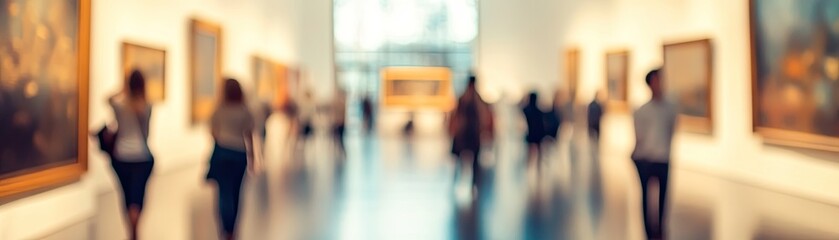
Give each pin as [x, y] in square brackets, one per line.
[795, 72]
[688, 83]
[271, 83]
[572, 68]
[617, 79]
[205, 68]
[44, 53]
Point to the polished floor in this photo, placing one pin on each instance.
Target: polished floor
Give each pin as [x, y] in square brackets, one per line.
[396, 187]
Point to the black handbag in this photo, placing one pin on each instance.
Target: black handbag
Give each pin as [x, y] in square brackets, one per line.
[107, 140]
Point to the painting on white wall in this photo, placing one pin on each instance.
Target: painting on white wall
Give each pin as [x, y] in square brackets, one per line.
[688, 83]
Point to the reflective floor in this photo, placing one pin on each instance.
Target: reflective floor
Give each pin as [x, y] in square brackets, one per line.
[394, 187]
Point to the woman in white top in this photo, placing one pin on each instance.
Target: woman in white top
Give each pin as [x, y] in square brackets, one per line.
[232, 127]
[131, 159]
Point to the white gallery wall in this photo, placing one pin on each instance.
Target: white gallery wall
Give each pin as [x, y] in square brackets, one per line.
[269, 28]
[732, 151]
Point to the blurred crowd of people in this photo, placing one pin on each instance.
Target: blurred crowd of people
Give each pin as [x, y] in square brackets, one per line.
[237, 128]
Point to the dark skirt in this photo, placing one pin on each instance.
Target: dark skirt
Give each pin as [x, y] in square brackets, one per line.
[225, 162]
[133, 178]
[227, 168]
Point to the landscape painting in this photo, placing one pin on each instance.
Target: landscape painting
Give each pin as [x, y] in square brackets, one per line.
[44, 51]
[795, 61]
[687, 82]
[151, 62]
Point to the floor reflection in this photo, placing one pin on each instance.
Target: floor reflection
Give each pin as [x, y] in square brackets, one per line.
[391, 187]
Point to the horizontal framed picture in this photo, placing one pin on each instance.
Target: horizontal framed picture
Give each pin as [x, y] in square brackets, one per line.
[151, 62]
[418, 88]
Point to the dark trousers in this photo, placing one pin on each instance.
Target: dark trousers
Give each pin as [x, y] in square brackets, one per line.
[476, 165]
[646, 171]
[133, 178]
[227, 168]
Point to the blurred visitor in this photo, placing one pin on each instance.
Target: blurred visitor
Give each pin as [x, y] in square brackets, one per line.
[131, 157]
[654, 125]
[367, 113]
[339, 116]
[408, 130]
[470, 122]
[553, 118]
[595, 115]
[232, 127]
[535, 127]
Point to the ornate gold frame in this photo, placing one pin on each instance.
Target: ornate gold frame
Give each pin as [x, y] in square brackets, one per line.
[55, 175]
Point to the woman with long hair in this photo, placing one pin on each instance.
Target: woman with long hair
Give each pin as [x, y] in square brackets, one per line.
[232, 127]
[131, 158]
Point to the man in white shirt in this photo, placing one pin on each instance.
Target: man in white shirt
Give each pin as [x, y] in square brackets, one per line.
[655, 122]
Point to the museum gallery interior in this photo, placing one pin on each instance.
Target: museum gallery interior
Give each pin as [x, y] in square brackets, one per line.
[753, 86]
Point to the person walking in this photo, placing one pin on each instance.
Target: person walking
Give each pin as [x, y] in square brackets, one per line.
[654, 124]
[232, 126]
[131, 157]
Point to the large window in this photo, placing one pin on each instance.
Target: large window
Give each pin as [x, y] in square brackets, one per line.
[372, 34]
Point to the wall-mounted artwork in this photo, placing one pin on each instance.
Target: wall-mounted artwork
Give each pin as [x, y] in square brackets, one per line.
[205, 68]
[149, 61]
[795, 71]
[418, 87]
[688, 75]
[617, 79]
[572, 67]
[271, 81]
[44, 53]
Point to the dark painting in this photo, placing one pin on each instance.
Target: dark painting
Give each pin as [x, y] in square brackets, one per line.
[38, 84]
[796, 71]
[43, 92]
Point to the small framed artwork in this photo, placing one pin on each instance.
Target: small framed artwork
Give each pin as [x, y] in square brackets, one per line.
[795, 72]
[271, 81]
[418, 88]
[205, 56]
[44, 91]
[572, 68]
[617, 80]
[688, 81]
[151, 62]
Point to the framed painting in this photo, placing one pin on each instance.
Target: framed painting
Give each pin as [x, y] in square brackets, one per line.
[151, 62]
[795, 72]
[418, 88]
[688, 81]
[271, 81]
[44, 59]
[617, 79]
[572, 68]
[205, 68]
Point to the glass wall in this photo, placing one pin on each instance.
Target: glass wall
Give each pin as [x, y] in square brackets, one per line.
[372, 34]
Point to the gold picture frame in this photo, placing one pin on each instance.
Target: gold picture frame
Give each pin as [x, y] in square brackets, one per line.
[617, 80]
[152, 63]
[572, 68]
[795, 91]
[48, 175]
[688, 81]
[271, 81]
[417, 88]
[205, 64]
